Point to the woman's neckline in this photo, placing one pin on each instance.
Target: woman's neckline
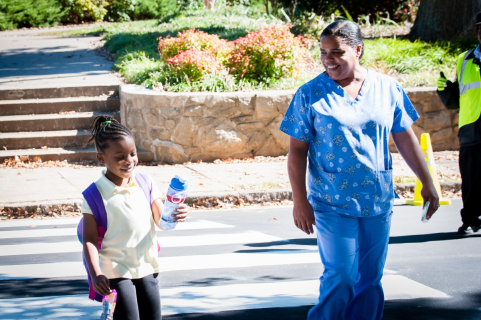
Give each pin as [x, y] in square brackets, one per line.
[362, 90]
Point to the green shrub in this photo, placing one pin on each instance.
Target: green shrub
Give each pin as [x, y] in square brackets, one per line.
[29, 13]
[77, 11]
[153, 9]
[120, 10]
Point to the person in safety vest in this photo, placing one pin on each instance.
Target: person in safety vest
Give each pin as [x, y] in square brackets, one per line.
[465, 94]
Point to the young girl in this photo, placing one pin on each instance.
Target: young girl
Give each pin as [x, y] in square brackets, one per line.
[128, 260]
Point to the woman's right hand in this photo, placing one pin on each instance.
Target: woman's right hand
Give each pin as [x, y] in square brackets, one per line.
[101, 285]
[304, 216]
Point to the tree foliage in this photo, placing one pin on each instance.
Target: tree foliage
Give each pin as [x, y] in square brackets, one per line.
[29, 13]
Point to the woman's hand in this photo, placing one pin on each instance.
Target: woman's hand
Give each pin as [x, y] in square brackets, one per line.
[408, 146]
[181, 214]
[429, 193]
[100, 283]
[304, 216]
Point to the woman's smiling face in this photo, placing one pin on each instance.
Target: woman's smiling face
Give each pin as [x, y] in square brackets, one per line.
[339, 58]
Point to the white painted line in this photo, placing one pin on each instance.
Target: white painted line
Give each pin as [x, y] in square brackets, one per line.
[43, 270]
[399, 287]
[37, 233]
[166, 242]
[56, 232]
[181, 300]
[35, 222]
[182, 263]
[40, 248]
[217, 239]
[201, 224]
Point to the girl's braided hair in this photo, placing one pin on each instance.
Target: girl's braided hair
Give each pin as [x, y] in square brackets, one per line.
[105, 129]
[347, 31]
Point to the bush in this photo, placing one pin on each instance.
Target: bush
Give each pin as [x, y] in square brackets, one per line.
[29, 13]
[153, 9]
[194, 39]
[270, 53]
[194, 64]
[120, 10]
[77, 11]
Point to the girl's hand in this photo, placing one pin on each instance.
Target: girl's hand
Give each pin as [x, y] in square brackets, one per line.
[182, 213]
[101, 285]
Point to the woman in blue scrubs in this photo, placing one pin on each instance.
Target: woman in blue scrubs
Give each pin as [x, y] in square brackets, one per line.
[340, 122]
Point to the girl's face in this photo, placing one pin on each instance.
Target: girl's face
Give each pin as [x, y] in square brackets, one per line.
[120, 157]
[338, 58]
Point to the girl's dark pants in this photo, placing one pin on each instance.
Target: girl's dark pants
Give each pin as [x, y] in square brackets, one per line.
[470, 168]
[137, 299]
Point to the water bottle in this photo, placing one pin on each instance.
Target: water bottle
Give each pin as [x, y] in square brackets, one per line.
[175, 196]
[108, 306]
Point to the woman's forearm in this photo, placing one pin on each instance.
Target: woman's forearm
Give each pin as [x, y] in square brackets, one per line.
[408, 146]
[296, 168]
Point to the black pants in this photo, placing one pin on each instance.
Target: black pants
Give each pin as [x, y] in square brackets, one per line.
[137, 299]
[470, 167]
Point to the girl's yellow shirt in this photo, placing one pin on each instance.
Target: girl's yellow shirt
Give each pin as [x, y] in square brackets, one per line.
[129, 248]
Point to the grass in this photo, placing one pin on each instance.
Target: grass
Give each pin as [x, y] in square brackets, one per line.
[134, 46]
[414, 64]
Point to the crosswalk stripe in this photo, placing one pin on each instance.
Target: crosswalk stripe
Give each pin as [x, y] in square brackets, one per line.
[182, 263]
[35, 222]
[56, 232]
[189, 225]
[166, 242]
[207, 299]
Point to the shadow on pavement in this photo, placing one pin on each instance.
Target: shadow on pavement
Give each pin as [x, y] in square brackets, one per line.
[42, 287]
[440, 236]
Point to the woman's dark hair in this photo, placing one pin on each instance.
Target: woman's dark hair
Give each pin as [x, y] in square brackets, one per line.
[347, 31]
[105, 129]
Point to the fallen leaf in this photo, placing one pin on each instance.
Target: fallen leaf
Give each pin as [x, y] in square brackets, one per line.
[32, 225]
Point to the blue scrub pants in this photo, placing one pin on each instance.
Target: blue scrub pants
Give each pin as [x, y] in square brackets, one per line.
[353, 251]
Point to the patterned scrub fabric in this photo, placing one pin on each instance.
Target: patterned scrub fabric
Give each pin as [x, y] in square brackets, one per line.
[350, 166]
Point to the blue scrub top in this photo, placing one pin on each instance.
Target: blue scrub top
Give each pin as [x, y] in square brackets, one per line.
[350, 166]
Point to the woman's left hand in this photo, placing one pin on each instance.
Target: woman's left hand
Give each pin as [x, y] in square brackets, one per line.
[181, 214]
[429, 193]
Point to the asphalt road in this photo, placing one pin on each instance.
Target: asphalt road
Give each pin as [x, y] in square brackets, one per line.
[250, 263]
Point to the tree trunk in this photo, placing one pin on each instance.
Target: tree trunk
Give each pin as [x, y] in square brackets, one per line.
[209, 4]
[445, 19]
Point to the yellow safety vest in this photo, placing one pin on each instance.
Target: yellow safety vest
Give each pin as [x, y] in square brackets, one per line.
[469, 80]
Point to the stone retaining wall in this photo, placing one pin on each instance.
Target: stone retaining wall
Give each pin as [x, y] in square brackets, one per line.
[181, 127]
[435, 119]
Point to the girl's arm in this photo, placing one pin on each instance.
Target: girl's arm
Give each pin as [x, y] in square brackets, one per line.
[158, 208]
[408, 146]
[90, 238]
[296, 167]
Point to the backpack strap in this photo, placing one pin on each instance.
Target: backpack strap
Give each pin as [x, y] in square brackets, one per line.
[94, 199]
[146, 186]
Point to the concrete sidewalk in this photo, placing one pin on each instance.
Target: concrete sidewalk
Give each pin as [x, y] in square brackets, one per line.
[261, 177]
[30, 60]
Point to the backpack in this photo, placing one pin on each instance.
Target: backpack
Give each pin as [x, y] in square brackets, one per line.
[94, 199]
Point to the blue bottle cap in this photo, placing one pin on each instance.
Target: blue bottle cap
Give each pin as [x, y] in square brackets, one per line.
[179, 183]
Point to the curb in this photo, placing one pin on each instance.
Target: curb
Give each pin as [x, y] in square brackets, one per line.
[249, 196]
